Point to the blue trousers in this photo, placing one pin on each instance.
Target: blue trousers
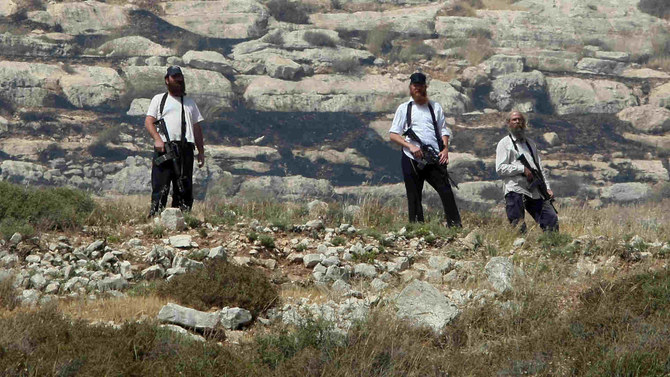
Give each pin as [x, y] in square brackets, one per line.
[539, 209]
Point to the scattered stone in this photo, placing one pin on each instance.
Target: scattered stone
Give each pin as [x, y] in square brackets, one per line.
[311, 260]
[173, 219]
[424, 305]
[187, 317]
[153, 272]
[365, 270]
[500, 271]
[182, 241]
[378, 284]
[519, 242]
[234, 318]
[16, 238]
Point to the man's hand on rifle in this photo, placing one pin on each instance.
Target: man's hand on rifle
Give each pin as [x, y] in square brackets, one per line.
[551, 194]
[416, 151]
[444, 156]
[528, 174]
[159, 145]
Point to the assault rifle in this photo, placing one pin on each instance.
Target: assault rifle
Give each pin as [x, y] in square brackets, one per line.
[431, 156]
[171, 154]
[538, 181]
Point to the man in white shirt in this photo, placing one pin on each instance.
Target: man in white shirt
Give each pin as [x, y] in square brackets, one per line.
[182, 119]
[427, 121]
[517, 178]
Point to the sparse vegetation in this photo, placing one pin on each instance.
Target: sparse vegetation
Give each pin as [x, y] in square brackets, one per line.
[348, 66]
[54, 208]
[379, 41]
[274, 38]
[318, 38]
[267, 241]
[221, 284]
[289, 11]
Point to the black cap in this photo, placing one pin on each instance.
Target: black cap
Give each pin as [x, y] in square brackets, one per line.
[417, 78]
[173, 71]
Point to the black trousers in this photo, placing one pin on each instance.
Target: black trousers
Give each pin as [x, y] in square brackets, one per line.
[164, 175]
[541, 211]
[414, 179]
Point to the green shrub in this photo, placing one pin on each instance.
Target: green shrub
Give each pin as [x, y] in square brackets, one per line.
[267, 241]
[9, 226]
[318, 38]
[317, 335]
[157, 231]
[51, 152]
[288, 11]
[44, 208]
[338, 241]
[252, 236]
[192, 221]
[221, 284]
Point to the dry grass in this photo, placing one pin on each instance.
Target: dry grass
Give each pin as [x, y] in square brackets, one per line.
[117, 310]
[477, 50]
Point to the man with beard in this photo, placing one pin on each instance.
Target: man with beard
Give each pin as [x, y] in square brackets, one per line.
[182, 119]
[426, 119]
[519, 195]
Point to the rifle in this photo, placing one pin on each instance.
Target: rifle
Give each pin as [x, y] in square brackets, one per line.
[431, 156]
[538, 181]
[171, 154]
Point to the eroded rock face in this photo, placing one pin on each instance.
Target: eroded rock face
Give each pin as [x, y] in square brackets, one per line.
[88, 17]
[520, 90]
[29, 84]
[416, 20]
[660, 96]
[90, 86]
[134, 46]
[626, 192]
[647, 118]
[236, 19]
[325, 93]
[569, 95]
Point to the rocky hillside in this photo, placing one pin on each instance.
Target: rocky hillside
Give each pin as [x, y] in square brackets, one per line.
[298, 96]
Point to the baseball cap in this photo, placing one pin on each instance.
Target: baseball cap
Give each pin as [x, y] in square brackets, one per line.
[173, 71]
[417, 78]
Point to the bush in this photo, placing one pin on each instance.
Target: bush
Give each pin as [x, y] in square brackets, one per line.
[221, 284]
[657, 8]
[379, 41]
[9, 226]
[415, 50]
[267, 241]
[348, 65]
[51, 152]
[28, 341]
[53, 208]
[288, 11]
[318, 38]
[275, 38]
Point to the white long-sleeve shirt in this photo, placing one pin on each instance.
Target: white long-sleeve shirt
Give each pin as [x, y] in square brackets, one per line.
[511, 170]
[422, 124]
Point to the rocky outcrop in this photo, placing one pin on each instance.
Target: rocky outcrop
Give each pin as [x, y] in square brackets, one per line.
[325, 93]
[647, 118]
[417, 20]
[90, 86]
[518, 90]
[569, 95]
[238, 19]
[424, 305]
[88, 17]
[284, 188]
[133, 46]
[29, 84]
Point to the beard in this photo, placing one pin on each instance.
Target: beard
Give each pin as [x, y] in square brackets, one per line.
[177, 88]
[420, 97]
[519, 133]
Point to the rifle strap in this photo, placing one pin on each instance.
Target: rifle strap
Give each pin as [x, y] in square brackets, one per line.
[440, 144]
[160, 112]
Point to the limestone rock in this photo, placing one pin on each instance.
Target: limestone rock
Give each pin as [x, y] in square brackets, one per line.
[423, 304]
[551, 138]
[417, 20]
[660, 96]
[600, 66]
[29, 84]
[326, 93]
[626, 192]
[133, 45]
[87, 17]
[647, 118]
[209, 60]
[452, 101]
[187, 317]
[518, 89]
[232, 19]
[285, 188]
[173, 219]
[579, 96]
[234, 318]
[91, 86]
[21, 172]
[500, 272]
[500, 65]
